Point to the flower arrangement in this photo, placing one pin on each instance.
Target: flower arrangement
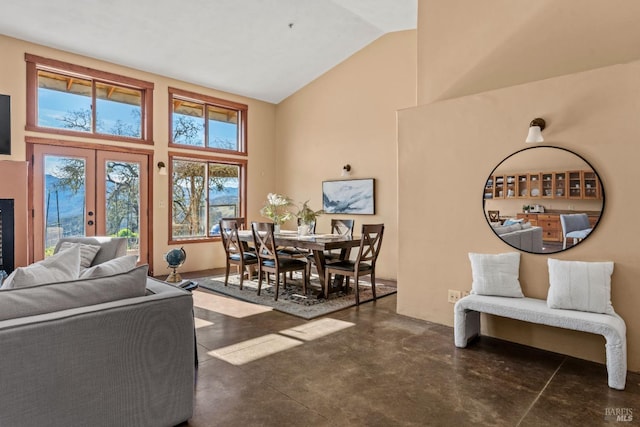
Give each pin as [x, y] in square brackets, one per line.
[276, 208]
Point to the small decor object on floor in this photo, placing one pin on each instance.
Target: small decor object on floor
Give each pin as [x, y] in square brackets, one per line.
[175, 258]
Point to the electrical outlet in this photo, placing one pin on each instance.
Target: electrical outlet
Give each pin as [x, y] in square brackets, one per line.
[453, 296]
[465, 293]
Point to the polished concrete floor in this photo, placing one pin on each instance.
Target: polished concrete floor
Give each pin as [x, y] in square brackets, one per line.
[368, 366]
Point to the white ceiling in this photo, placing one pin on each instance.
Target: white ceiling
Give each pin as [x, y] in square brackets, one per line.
[246, 47]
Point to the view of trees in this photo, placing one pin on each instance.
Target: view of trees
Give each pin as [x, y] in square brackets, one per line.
[81, 120]
[193, 181]
[189, 130]
[122, 197]
[191, 190]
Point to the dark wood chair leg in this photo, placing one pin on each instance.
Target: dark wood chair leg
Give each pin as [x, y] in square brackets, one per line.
[373, 285]
[226, 274]
[241, 273]
[355, 285]
[260, 279]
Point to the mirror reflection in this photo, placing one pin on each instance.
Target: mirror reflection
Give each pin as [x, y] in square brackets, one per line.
[543, 199]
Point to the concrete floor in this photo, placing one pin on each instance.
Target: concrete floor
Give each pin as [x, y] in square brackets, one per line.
[368, 366]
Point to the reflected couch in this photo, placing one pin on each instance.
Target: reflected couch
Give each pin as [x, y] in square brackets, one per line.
[522, 236]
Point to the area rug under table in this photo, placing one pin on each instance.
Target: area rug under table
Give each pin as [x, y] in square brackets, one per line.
[291, 300]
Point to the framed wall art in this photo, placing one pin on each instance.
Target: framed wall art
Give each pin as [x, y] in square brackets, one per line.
[350, 196]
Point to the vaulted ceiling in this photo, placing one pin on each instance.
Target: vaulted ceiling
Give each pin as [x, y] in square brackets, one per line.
[263, 49]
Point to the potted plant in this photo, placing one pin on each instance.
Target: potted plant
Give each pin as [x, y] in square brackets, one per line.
[306, 218]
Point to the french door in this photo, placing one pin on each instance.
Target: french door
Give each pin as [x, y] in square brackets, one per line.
[87, 192]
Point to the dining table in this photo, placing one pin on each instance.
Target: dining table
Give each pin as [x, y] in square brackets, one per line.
[316, 243]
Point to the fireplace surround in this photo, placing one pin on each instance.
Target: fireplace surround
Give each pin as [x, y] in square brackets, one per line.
[7, 235]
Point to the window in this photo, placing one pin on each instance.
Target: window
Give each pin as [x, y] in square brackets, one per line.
[204, 191]
[69, 99]
[208, 123]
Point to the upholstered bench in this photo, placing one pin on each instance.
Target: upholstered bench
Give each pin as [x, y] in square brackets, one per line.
[467, 325]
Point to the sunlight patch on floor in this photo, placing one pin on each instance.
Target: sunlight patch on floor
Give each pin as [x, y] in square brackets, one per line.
[316, 329]
[201, 323]
[254, 349]
[227, 306]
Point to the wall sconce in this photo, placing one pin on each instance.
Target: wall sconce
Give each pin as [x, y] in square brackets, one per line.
[346, 170]
[536, 127]
[162, 168]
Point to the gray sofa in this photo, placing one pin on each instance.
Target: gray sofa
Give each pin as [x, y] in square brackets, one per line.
[526, 239]
[126, 362]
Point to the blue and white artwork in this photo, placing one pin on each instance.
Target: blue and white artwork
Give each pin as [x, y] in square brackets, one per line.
[353, 196]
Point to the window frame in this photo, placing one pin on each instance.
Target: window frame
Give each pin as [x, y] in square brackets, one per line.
[242, 189]
[36, 63]
[206, 100]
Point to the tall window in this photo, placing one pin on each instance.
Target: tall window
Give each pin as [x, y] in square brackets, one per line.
[208, 123]
[69, 99]
[203, 192]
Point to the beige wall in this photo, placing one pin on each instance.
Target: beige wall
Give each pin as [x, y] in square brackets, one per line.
[348, 116]
[468, 47]
[448, 148]
[261, 134]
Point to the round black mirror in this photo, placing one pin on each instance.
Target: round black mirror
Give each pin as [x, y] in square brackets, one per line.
[543, 199]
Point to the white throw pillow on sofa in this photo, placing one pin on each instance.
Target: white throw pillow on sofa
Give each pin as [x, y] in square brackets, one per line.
[118, 265]
[580, 285]
[61, 267]
[496, 274]
[87, 252]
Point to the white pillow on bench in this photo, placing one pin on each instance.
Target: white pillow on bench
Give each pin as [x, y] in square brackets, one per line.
[580, 285]
[496, 274]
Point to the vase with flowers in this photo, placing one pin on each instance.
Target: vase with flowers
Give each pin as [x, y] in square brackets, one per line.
[307, 218]
[276, 209]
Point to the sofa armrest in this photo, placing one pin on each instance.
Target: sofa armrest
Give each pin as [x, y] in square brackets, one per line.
[126, 362]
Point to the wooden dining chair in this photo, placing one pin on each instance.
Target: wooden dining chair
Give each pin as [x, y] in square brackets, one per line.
[364, 264]
[343, 227]
[494, 216]
[269, 261]
[236, 251]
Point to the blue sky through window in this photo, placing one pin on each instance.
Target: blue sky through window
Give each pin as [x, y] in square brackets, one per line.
[54, 105]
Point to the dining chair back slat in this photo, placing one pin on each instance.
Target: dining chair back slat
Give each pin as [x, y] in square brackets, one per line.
[343, 227]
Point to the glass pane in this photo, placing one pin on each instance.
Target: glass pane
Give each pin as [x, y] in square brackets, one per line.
[64, 199]
[118, 110]
[188, 123]
[123, 203]
[223, 128]
[224, 194]
[188, 199]
[64, 102]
